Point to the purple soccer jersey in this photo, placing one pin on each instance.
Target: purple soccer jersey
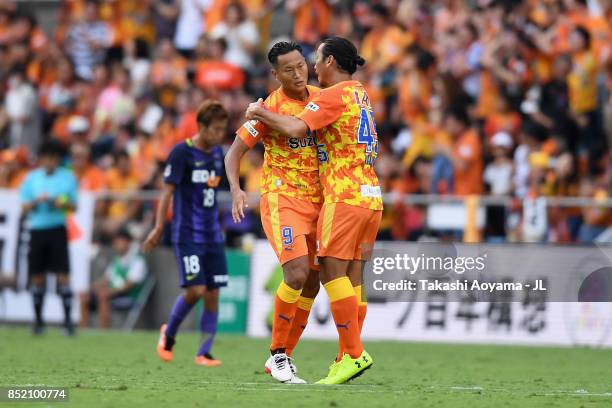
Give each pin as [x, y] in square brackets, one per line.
[196, 175]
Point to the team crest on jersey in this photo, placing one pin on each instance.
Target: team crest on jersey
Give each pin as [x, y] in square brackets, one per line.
[250, 127]
[312, 106]
[214, 182]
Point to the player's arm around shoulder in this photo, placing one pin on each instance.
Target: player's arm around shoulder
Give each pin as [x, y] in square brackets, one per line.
[323, 109]
[290, 126]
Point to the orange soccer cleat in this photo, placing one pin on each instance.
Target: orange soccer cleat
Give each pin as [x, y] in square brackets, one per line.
[164, 355]
[208, 362]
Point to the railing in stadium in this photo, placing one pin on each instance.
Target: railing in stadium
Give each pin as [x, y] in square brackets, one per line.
[224, 197]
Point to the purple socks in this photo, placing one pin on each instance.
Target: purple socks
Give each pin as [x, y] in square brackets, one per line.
[179, 311]
[208, 327]
[208, 323]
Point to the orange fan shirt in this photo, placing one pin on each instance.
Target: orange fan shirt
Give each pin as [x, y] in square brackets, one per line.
[582, 83]
[469, 179]
[290, 165]
[347, 141]
[91, 179]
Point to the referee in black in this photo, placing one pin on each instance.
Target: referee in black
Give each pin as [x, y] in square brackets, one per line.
[47, 194]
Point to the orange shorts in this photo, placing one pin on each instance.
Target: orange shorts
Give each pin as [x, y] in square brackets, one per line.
[290, 225]
[346, 231]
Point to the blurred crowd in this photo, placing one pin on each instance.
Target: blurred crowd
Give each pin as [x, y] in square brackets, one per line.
[508, 98]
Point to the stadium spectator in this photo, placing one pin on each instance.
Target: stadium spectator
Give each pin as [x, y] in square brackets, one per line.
[87, 39]
[25, 30]
[458, 169]
[122, 178]
[89, 177]
[498, 173]
[186, 106]
[311, 20]
[61, 95]
[189, 25]
[507, 64]
[147, 112]
[532, 137]
[165, 13]
[547, 103]
[118, 288]
[137, 60]
[20, 105]
[217, 74]
[13, 167]
[582, 86]
[503, 119]
[7, 9]
[168, 73]
[384, 42]
[416, 72]
[115, 104]
[240, 34]
[498, 179]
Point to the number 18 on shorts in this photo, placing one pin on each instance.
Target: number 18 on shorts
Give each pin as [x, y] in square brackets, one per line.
[201, 264]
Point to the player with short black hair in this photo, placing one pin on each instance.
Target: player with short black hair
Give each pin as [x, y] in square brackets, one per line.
[192, 176]
[282, 48]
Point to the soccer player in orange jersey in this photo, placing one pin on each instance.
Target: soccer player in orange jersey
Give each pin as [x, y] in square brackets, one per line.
[350, 217]
[290, 203]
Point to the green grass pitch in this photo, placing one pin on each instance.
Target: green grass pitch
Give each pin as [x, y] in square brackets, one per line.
[116, 369]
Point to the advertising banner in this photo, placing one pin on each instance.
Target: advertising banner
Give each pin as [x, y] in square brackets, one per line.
[439, 316]
[233, 302]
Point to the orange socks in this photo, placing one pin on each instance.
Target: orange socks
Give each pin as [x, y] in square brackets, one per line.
[344, 309]
[362, 304]
[285, 305]
[299, 322]
[291, 313]
[362, 309]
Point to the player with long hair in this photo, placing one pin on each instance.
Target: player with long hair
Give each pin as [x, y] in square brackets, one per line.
[290, 203]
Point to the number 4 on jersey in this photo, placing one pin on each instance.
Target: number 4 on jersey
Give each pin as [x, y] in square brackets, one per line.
[367, 134]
